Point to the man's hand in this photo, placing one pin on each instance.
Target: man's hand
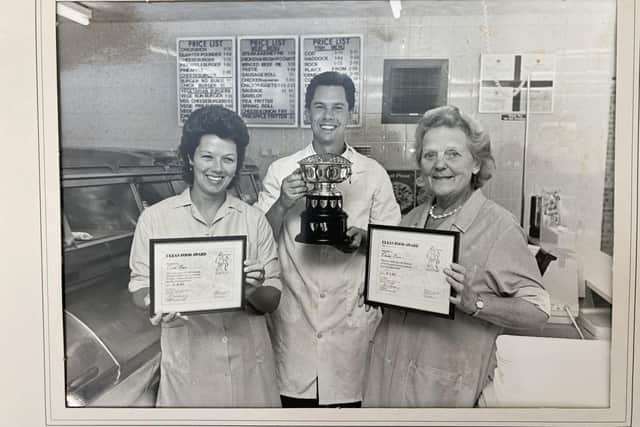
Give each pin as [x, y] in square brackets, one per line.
[293, 188]
[357, 238]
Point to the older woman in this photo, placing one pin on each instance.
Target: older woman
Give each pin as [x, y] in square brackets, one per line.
[218, 359]
[419, 360]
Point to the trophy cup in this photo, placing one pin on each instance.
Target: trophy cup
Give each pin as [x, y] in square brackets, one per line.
[323, 221]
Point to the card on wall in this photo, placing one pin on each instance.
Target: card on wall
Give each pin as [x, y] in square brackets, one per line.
[507, 80]
[404, 188]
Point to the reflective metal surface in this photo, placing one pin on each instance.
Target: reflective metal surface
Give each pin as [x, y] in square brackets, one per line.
[324, 221]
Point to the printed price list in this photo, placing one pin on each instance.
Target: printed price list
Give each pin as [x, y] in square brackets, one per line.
[268, 81]
[205, 74]
[333, 53]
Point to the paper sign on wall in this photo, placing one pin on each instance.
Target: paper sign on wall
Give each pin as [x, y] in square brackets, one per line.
[342, 53]
[404, 188]
[507, 80]
[206, 74]
[268, 76]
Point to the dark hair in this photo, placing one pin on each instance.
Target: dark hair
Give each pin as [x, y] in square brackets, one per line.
[478, 140]
[211, 120]
[331, 78]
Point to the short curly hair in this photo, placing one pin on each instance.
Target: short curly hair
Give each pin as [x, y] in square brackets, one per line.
[478, 140]
[212, 120]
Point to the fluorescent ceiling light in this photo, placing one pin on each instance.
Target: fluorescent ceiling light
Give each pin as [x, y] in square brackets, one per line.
[396, 7]
[75, 12]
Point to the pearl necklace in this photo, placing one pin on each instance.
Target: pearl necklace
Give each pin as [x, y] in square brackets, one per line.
[443, 215]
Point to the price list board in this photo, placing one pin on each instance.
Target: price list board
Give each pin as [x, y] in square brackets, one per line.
[342, 53]
[268, 81]
[206, 74]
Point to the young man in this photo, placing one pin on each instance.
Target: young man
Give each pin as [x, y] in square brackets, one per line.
[321, 331]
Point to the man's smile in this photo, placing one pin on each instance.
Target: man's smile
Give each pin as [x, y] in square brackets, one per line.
[215, 178]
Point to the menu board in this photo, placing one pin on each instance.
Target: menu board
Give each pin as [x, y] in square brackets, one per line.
[206, 74]
[342, 53]
[268, 76]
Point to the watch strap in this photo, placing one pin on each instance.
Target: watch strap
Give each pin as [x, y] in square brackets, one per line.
[479, 306]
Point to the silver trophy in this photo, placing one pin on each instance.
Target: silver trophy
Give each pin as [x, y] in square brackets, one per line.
[323, 221]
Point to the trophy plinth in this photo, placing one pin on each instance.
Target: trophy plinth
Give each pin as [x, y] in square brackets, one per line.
[323, 221]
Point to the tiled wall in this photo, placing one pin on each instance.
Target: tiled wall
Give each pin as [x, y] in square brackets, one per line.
[118, 88]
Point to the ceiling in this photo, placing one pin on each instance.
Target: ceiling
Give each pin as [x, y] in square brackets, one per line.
[228, 10]
[163, 10]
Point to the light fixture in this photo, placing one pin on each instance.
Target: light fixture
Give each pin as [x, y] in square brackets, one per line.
[74, 12]
[396, 7]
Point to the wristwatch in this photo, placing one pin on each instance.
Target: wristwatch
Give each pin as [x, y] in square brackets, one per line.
[479, 306]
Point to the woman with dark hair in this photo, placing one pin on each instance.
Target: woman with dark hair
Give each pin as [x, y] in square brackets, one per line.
[214, 359]
[419, 360]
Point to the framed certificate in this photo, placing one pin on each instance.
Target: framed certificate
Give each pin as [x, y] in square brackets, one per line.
[197, 274]
[405, 268]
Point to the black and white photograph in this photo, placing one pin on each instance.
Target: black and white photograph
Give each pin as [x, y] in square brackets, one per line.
[320, 212]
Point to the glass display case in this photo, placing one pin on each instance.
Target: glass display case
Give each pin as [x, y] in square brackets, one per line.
[100, 210]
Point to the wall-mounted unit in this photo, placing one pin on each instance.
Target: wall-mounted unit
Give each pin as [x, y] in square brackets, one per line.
[411, 87]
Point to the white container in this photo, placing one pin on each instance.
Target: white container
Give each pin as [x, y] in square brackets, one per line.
[597, 321]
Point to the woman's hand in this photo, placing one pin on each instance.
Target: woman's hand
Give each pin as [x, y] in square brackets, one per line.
[264, 299]
[159, 318]
[460, 280]
[254, 272]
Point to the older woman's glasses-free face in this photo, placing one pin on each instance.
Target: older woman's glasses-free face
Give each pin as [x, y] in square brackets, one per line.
[449, 155]
[447, 161]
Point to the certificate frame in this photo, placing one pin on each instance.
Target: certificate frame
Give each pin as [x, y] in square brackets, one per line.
[193, 249]
[386, 238]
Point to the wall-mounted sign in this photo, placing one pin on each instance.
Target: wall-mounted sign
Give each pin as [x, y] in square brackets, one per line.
[268, 76]
[341, 53]
[404, 188]
[505, 81]
[513, 117]
[206, 73]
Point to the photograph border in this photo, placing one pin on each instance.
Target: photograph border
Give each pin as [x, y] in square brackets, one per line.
[45, 155]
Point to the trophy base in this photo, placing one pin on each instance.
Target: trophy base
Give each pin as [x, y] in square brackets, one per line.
[323, 229]
[340, 243]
